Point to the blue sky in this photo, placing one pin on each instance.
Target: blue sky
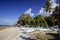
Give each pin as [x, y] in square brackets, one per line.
[10, 10]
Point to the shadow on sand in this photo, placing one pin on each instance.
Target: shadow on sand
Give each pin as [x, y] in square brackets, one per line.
[26, 38]
[56, 36]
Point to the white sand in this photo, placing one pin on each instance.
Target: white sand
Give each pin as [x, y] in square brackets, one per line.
[9, 33]
[16, 33]
[13, 33]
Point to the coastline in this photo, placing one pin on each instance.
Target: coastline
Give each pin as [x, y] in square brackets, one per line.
[16, 33]
[4, 27]
[9, 33]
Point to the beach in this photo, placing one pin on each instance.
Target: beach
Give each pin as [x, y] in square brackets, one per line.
[9, 33]
[16, 33]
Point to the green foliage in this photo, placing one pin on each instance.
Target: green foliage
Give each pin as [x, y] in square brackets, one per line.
[56, 12]
[26, 20]
[39, 21]
[51, 21]
[48, 6]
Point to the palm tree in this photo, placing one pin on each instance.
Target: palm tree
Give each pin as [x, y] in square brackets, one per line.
[45, 21]
[48, 6]
[48, 9]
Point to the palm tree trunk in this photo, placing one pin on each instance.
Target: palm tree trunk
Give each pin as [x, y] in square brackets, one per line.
[45, 21]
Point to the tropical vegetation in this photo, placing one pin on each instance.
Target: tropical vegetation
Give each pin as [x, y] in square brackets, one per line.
[39, 21]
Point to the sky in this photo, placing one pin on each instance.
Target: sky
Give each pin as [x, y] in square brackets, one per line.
[11, 10]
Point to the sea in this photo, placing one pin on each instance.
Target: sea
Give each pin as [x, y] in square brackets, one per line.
[5, 26]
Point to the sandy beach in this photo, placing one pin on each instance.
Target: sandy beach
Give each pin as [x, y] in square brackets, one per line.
[16, 33]
[9, 33]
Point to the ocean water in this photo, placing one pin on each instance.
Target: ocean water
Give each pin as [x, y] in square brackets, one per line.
[4, 26]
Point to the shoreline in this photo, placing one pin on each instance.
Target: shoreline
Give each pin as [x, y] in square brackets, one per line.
[2, 28]
[9, 33]
[16, 33]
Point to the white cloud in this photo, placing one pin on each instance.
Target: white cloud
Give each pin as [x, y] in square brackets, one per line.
[42, 9]
[52, 1]
[53, 5]
[43, 12]
[29, 11]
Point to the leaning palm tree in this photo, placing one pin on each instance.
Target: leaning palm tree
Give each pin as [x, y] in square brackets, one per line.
[45, 21]
[48, 9]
